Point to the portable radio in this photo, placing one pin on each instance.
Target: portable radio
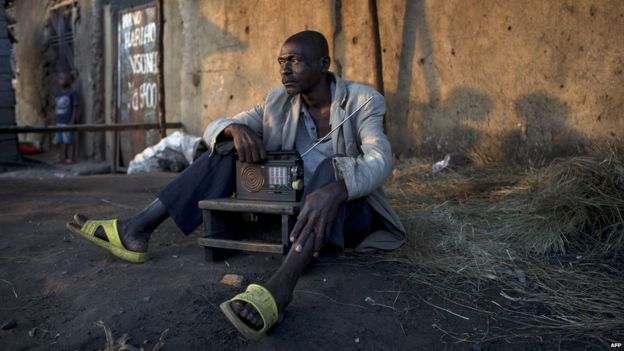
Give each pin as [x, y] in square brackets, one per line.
[277, 178]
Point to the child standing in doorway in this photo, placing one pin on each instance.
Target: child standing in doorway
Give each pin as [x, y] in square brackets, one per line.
[66, 108]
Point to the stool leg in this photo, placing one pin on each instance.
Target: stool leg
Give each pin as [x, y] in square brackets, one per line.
[288, 222]
[214, 225]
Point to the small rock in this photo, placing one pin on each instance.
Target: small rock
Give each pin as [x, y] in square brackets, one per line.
[174, 256]
[32, 332]
[10, 324]
[357, 340]
[147, 299]
[232, 280]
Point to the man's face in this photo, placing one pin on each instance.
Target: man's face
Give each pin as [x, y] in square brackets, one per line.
[301, 69]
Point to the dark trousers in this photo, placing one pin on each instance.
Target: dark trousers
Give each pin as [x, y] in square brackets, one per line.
[213, 176]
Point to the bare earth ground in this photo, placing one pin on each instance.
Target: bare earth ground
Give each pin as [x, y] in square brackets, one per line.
[56, 286]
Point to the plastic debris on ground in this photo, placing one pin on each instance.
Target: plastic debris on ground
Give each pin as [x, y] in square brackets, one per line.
[451, 162]
[173, 153]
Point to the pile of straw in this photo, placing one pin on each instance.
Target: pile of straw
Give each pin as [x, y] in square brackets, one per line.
[551, 238]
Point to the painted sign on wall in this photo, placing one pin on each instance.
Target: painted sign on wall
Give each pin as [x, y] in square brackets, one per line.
[138, 75]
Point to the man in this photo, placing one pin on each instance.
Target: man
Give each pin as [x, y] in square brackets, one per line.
[343, 177]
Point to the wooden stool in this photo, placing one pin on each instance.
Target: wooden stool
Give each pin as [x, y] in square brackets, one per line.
[232, 225]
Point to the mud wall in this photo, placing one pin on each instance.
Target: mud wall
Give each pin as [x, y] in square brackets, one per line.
[499, 81]
[510, 80]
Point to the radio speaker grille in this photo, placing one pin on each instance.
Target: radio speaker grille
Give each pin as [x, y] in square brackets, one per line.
[251, 178]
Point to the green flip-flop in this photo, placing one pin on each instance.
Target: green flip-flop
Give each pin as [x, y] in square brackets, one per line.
[113, 245]
[262, 300]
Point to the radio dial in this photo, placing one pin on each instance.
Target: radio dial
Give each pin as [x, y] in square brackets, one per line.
[297, 184]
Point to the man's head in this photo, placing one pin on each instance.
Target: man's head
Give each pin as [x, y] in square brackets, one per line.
[65, 79]
[304, 61]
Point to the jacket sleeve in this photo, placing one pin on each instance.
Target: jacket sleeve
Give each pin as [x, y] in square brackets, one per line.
[251, 118]
[368, 171]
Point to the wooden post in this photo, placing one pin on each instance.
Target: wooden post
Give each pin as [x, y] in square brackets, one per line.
[161, 72]
[379, 85]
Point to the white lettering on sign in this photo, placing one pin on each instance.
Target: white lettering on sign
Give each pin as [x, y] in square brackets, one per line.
[146, 63]
[140, 36]
[131, 18]
[143, 96]
[139, 56]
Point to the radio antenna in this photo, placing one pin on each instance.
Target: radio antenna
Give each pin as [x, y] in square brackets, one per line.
[336, 127]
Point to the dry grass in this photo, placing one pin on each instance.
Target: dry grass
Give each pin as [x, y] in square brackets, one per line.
[551, 237]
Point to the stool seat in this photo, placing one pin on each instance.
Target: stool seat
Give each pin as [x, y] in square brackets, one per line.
[236, 205]
[226, 232]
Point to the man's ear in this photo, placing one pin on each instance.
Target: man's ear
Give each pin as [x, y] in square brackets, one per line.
[325, 62]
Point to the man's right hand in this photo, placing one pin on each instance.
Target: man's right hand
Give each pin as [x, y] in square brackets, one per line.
[246, 142]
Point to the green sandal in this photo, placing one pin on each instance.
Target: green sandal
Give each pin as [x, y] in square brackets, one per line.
[113, 245]
[262, 300]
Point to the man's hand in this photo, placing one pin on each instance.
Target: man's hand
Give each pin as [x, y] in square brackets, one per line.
[317, 215]
[246, 142]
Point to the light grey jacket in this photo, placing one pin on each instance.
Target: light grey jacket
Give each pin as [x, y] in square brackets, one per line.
[368, 160]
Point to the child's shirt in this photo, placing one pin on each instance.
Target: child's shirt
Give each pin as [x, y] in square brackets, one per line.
[66, 102]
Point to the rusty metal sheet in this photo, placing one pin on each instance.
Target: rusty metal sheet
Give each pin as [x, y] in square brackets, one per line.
[138, 75]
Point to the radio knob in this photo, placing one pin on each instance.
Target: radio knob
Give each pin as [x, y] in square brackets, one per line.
[297, 184]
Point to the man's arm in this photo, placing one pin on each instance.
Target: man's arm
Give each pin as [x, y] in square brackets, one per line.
[317, 215]
[368, 171]
[245, 130]
[247, 143]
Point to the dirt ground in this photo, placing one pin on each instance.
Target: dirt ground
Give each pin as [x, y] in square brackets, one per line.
[55, 287]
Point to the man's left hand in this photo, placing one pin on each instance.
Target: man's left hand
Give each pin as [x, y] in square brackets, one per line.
[317, 215]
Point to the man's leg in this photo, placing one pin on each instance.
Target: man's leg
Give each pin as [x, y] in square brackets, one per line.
[356, 215]
[208, 177]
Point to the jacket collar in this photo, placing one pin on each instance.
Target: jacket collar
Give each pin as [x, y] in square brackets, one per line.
[337, 114]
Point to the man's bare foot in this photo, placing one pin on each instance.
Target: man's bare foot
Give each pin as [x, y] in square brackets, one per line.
[132, 240]
[248, 314]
